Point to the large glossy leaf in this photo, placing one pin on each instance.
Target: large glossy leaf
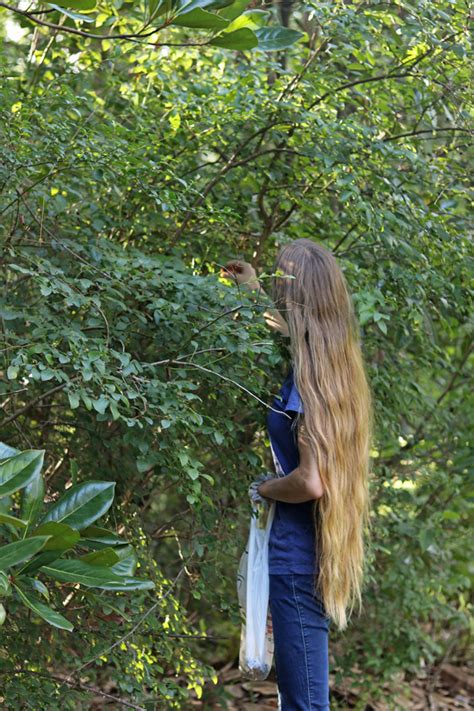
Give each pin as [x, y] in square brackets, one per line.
[72, 15]
[275, 38]
[240, 39]
[230, 12]
[252, 19]
[38, 561]
[16, 552]
[106, 557]
[127, 563]
[182, 7]
[218, 4]
[79, 4]
[32, 499]
[126, 584]
[62, 535]
[82, 504]
[17, 471]
[42, 610]
[34, 584]
[92, 576]
[12, 520]
[6, 451]
[102, 536]
[201, 19]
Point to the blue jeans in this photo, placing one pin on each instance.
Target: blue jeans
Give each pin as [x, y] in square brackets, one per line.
[300, 634]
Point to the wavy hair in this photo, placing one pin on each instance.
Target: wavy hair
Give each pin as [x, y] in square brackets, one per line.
[310, 290]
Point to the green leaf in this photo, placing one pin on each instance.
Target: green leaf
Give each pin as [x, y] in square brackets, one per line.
[102, 535]
[186, 6]
[4, 584]
[73, 15]
[79, 4]
[82, 504]
[6, 451]
[234, 9]
[17, 471]
[61, 535]
[253, 20]
[3, 614]
[92, 576]
[240, 39]
[42, 559]
[12, 372]
[275, 38]
[127, 584]
[215, 5]
[34, 584]
[12, 520]
[19, 551]
[106, 557]
[32, 499]
[201, 19]
[46, 613]
[127, 563]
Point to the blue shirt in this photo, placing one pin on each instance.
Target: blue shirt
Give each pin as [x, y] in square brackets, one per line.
[292, 538]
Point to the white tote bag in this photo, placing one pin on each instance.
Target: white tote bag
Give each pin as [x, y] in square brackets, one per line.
[256, 638]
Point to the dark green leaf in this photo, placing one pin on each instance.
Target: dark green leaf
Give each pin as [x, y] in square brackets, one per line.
[16, 552]
[17, 471]
[51, 616]
[82, 504]
[240, 39]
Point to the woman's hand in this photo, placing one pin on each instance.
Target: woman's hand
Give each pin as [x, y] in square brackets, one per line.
[253, 491]
[242, 272]
[245, 274]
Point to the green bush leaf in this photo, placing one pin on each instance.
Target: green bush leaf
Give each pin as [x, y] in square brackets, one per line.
[275, 38]
[32, 499]
[6, 451]
[186, 6]
[240, 39]
[46, 613]
[103, 536]
[127, 563]
[106, 557]
[82, 504]
[230, 12]
[61, 535]
[73, 15]
[19, 551]
[17, 471]
[201, 19]
[92, 576]
[12, 520]
[79, 4]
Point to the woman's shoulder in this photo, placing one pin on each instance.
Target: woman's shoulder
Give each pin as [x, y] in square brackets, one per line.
[293, 399]
[289, 398]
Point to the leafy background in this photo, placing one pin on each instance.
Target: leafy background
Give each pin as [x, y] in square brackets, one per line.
[132, 169]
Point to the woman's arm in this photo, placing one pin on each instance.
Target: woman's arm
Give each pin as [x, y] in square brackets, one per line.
[245, 275]
[292, 488]
[273, 317]
[301, 484]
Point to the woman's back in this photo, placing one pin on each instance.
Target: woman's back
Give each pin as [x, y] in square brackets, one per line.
[292, 538]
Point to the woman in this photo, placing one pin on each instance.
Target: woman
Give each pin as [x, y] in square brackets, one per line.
[320, 435]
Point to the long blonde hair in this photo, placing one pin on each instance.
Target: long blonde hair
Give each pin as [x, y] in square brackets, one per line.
[329, 373]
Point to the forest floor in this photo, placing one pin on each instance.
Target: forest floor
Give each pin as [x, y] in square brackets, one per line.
[446, 688]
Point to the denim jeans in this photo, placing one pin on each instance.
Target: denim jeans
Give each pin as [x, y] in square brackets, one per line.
[300, 633]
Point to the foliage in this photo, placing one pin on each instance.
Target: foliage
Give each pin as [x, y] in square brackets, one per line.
[129, 175]
[227, 22]
[38, 542]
